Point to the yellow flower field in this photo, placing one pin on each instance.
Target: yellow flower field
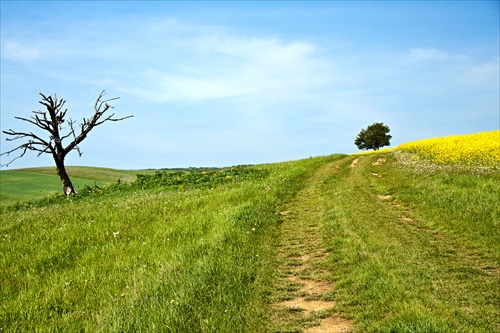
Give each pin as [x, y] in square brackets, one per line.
[478, 150]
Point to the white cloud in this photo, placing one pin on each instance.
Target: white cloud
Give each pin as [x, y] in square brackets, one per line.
[220, 66]
[170, 60]
[484, 75]
[420, 55]
[13, 50]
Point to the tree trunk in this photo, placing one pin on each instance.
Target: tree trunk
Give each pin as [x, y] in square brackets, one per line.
[66, 183]
[67, 186]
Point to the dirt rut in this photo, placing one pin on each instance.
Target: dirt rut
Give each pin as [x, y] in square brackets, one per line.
[306, 294]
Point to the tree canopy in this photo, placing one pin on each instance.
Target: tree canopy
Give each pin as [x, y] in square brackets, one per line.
[373, 137]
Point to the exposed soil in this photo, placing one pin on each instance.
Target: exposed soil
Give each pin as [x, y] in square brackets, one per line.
[305, 287]
[380, 161]
[353, 164]
[331, 325]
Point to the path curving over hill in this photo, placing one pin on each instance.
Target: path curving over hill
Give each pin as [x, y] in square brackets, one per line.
[370, 246]
[305, 294]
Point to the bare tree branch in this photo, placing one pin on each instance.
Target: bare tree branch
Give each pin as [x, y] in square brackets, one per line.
[51, 121]
[100, 107]
[40, 145]
[71, 123]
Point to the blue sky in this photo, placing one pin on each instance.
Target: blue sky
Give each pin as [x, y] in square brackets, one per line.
[227, 83]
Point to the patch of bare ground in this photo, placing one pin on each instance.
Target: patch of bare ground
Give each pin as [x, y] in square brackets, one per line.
[307, 305]
[331, 325]
[407, 219]
[353, 164]
[379, 161]
[304, 300]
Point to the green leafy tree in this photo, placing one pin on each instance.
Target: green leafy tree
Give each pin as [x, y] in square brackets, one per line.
[373, 137]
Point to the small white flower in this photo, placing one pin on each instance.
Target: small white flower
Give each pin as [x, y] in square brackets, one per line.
[115, 234]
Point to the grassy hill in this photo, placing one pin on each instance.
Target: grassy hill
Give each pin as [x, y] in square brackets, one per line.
[32, 183]
[94, 173]
[383, 242]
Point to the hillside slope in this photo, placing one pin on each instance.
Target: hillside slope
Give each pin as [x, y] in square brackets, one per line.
[401, 251]
[32, 183]
[360, 243]
[413, 252]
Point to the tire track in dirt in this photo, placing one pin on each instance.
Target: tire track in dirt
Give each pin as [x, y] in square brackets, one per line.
[306, 295]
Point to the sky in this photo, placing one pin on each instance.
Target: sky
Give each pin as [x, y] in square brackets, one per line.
[223, 83]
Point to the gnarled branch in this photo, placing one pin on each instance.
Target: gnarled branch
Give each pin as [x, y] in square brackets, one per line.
[51, 121]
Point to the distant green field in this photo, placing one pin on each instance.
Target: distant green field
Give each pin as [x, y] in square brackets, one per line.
[94, 173]
[24, 184]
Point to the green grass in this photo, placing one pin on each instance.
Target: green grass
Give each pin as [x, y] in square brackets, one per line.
[197, 252]
[300, 262]
[29, 183]
[23, 185]
[411, 252]
[147, 260]
[95, 173]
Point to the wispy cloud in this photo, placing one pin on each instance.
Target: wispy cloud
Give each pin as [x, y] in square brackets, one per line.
[421, 55]
[227, 66]
[483, 75]
[169, 60]
[19, 52]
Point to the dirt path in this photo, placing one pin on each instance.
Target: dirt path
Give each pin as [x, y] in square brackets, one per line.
[305, 300]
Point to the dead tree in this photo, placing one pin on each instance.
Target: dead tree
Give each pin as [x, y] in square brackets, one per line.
[52, 121]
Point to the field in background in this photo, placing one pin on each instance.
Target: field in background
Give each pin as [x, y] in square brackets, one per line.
[94, 173]
[23, 185]
[32, 183]
[472, 151]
